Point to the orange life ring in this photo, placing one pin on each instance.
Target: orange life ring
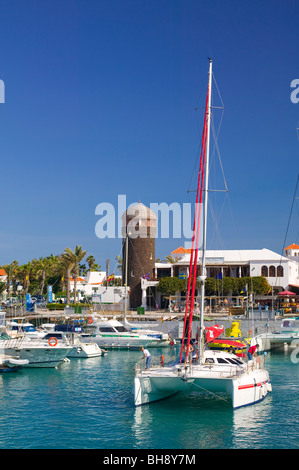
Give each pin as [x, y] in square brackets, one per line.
[51, 341]
[89, 320]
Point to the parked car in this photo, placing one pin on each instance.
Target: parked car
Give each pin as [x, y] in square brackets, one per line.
[12, 302]
[41, 304]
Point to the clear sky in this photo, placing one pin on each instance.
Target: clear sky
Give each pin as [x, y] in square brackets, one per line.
[100, 99]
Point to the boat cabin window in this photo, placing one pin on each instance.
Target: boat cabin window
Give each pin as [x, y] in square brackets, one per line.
[121, 329]
[234, 361]
[209, 360]
[106, 329]
[53, 335]
[221, 360]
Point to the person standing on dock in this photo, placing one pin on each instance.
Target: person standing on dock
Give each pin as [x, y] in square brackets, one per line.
[147, 356]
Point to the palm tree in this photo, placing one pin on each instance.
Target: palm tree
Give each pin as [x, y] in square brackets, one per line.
[66, 266]
[24, 272]
[119, 261]
[2, 287]
[10, 270]
[73, 259]
[41, 269]
[91, 262]
[170, 259]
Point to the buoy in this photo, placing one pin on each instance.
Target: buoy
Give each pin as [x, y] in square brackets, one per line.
[52, 341]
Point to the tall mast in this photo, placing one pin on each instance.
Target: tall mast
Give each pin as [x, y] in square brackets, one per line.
[126, 276]
[204, 243]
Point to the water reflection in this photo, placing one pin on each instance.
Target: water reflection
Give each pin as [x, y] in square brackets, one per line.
[185, 422]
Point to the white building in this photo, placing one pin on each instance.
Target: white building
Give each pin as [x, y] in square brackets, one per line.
[281, 272]
[3, 275]
[88, 285]
[93, 284]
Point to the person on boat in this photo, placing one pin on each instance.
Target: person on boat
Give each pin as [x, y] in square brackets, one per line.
[147, 356]
[252, 351]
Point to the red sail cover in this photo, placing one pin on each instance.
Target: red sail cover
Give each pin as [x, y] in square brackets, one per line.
[212, 332]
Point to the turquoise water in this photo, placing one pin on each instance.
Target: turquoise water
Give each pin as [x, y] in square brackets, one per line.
[88, 404]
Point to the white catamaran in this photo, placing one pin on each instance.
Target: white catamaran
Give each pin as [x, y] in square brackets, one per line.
[204, 370]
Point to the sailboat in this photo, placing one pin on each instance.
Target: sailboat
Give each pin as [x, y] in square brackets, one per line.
[218, 373]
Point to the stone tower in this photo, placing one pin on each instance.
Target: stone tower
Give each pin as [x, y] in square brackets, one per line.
[139, 228]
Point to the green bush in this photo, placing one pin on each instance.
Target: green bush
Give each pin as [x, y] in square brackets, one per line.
[52, 306]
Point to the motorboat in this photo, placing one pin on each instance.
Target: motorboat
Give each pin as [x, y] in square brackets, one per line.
[163, 339]
[85, 350]
[201, 369]
[79, 349]
[288, 334]
[17, 330]
[112, 334]
[47, 351]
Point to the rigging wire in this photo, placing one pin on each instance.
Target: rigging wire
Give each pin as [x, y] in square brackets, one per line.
[292, 205]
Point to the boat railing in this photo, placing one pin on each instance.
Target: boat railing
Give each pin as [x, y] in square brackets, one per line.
[22, 341]
[171, 360]
[157, 361]
[12, 342]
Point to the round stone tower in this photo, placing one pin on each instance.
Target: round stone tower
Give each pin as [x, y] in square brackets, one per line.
[139, 231]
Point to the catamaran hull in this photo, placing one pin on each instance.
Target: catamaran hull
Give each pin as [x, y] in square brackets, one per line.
[242, 391]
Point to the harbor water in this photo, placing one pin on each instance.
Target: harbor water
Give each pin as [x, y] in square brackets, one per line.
[88, 404]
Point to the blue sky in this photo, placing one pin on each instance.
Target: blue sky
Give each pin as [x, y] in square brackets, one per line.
[100, 100]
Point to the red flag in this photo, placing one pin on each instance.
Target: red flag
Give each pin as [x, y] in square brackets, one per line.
[212, 332]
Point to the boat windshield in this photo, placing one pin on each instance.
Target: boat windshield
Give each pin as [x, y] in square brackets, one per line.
[53, 334]
[121, 329]
[28, 328]
[106, 329]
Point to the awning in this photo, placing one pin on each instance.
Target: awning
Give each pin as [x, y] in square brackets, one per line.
[286, 292]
